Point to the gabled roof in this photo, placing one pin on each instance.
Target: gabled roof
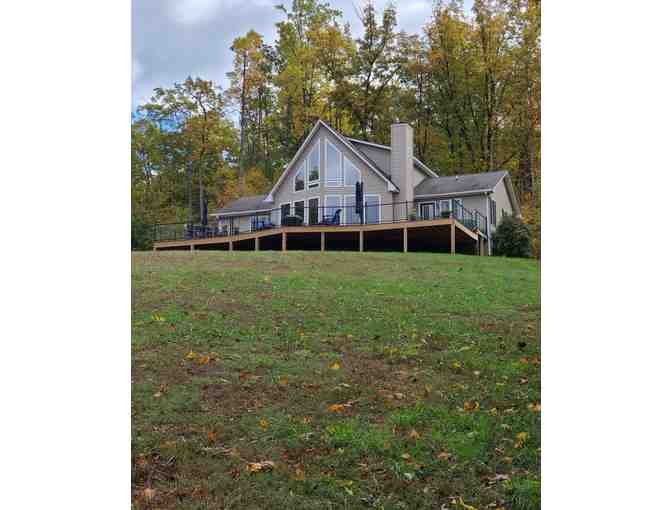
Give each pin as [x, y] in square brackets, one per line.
[250, 204]
[419, 165]
[464, 183]
[367, 161]
[467, 184]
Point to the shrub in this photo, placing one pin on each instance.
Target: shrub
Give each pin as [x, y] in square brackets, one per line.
[141, 234]
[513, 238]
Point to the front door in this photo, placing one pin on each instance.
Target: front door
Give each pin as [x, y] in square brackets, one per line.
[427, 211]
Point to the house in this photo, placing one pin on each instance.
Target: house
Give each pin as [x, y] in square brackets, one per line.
[316, 197]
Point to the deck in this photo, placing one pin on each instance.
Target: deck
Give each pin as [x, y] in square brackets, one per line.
[444, 234]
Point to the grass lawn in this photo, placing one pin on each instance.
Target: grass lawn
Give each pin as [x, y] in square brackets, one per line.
[335, 380]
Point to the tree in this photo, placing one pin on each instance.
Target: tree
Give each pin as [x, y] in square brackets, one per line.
[196, 110]
[512, 238]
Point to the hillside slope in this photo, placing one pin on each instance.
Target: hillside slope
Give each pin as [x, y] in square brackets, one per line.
[368, 380]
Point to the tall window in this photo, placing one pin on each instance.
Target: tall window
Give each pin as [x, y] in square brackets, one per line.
[300, 178]
[372, 208]
[313, 211]
[351, 218]
[298, 209]
[332, 203]
[352, 173]
[284, 211]
[493, 212]
[314, 167]
[333, 165]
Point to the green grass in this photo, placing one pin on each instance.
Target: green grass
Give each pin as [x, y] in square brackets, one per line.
[395, 381]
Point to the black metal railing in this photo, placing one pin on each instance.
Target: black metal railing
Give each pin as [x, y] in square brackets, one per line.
[312, 215]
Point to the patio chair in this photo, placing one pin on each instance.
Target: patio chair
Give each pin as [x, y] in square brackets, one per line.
[335, 219]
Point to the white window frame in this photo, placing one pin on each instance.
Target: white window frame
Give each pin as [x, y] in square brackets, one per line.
[344, 158]
[302, 168]
[313, 184]
[327, 183]
[450, 204]
[380, 209]
[420, 204]
[290, 210]
[339, 206]
[306, 207]
[345, 208]
[294, 202]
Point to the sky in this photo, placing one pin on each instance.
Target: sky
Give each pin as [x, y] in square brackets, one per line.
[173, 39]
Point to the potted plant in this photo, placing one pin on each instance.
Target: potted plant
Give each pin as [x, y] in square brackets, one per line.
[412, 215]
[446, 213]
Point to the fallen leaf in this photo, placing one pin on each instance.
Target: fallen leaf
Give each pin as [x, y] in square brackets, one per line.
[413, 434]
[336, 408]
[399, 395]
[405, 456]
[471, 406]
[283, 381]
[191, 355]
[534, 407]
[444, 456]
[149, 494]
[204, 360]
[263, 423]
[521, 437]
[212, 436]
[158, 318]
[464, 505]
[523, 380]
[335, 365]
[307, 419]
[264, 465]
[299, 475]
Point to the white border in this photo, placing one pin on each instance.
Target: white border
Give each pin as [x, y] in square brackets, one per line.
[420, 204]
[340, 206]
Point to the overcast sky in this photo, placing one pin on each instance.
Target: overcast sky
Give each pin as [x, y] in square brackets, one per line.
[173, 39]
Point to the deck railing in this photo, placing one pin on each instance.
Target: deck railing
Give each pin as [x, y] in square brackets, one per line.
[313, 215]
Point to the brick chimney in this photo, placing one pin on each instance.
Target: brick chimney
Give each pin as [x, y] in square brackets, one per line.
[402, 160]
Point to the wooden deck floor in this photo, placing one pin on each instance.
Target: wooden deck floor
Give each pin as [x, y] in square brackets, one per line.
[447, 228]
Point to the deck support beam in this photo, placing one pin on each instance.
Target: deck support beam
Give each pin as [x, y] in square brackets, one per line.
[230, 245]
[323, 240]
[361, 240]
[256, 244]
[192, 247]
[284, 241]
[405, 240]
[452, 237]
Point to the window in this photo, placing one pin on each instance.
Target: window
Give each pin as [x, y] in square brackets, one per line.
[493, 212]
[300, 178]
[446, 205]
[372, 208]
[314, 167]
[313, 211]
[332, 203]
[352, 173]
[298, 209]
[333, 165]
[458, 210]
[427, 211]
[284, 211]
[351, 217]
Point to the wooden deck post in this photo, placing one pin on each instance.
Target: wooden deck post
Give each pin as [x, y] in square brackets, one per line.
[405, 240]
[192, 247]
[231, 245]
[323, 241]
[284, 241]
[256, 244]
[361, 240]
[452, 237]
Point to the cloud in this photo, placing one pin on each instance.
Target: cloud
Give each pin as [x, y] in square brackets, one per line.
[173, 39]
